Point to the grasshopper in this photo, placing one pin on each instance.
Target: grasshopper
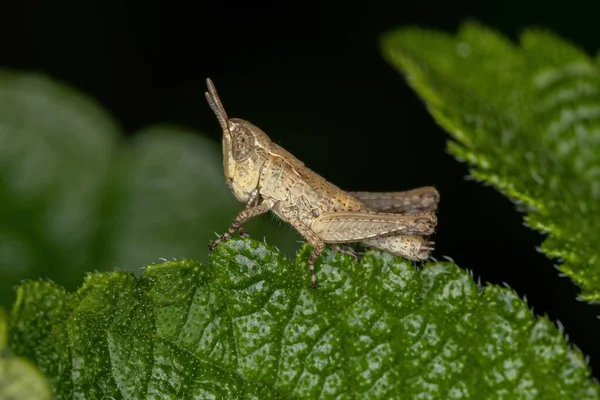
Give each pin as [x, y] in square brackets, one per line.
[266, 178]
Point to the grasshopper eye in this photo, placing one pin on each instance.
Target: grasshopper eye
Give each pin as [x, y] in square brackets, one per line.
[243, 143]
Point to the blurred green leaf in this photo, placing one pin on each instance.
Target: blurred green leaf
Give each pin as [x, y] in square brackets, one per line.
[528, 119]
[19, 380]
[55, 150]
[249, 326]
[74, 199]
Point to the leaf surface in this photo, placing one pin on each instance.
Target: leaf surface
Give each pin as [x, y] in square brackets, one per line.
[527, 118]
[249, 326]
[19, 380]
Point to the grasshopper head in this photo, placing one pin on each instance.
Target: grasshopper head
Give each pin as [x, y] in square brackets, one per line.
[245, 148]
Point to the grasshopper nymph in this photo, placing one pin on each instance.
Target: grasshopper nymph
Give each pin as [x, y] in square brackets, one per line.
[266, 177]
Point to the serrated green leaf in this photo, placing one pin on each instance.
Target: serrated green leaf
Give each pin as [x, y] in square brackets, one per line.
[249, 326]
[528, 119]
[73, 198]
[19, 380]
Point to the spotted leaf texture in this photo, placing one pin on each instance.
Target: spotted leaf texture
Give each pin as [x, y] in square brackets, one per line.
[527, 118]
[249, 326]
[19, 380]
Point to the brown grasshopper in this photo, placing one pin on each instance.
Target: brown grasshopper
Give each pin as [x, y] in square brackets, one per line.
[266, 177]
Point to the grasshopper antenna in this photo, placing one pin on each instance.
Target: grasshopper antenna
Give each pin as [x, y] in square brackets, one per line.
[215, 104]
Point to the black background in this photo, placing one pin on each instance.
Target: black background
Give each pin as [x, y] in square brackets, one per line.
[311, 76]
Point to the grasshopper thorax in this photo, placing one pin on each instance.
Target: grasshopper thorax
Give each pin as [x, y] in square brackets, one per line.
[245, 149]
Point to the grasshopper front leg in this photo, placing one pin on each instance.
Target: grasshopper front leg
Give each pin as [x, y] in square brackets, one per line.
[252, 210]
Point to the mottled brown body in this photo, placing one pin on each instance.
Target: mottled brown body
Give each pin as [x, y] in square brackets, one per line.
[266, 178]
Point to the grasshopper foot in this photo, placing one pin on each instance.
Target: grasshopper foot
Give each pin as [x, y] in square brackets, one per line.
[243, 233]
[236, 226]
[313, 282]
[348, 251]
[221, 238]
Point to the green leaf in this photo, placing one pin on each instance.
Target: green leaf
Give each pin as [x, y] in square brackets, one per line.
[527, 118]
[19, 380]
[55, 149]
[73, 198]
[249, 326]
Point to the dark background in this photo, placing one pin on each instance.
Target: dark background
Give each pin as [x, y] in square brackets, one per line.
[311, 76]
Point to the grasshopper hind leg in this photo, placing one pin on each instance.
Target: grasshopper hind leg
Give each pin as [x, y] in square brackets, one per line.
[348, 251]
[318, 247]
[249, 212]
